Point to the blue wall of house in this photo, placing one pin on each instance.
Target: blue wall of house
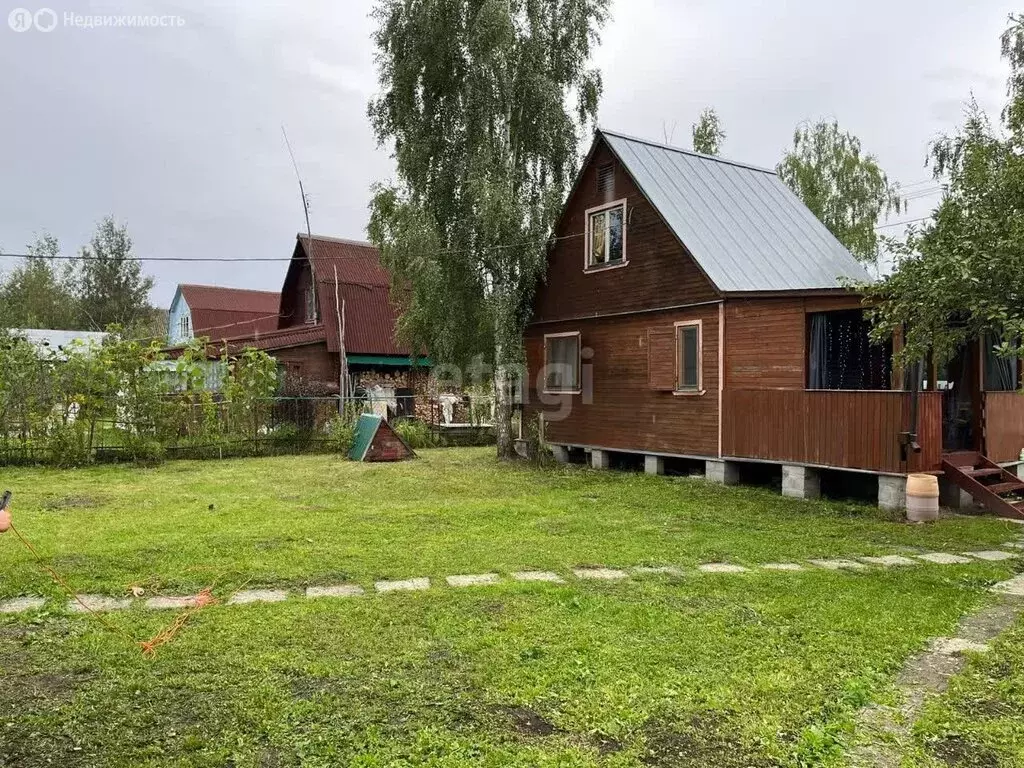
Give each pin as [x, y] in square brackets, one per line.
[179, 309]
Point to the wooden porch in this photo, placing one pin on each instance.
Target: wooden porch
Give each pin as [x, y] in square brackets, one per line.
[832, 428]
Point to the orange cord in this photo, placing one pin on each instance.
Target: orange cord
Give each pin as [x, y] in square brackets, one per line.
[203, 599]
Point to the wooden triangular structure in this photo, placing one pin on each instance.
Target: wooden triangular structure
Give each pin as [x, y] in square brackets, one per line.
[376, 440]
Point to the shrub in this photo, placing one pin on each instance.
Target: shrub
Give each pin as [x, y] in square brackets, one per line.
[416, 434]
[341, 433]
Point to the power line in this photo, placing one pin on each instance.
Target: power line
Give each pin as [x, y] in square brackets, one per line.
[229, 259]
[901, 223]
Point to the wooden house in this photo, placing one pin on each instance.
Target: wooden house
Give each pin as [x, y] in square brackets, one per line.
[694, 310]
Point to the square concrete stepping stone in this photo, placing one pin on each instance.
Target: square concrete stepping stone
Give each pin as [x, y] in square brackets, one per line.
[721, 568]
[338, 590]
[403, 585]
[653, 570]
[781, 566]
[601, 574]
[548, 576]
[22, 604]
[887, 561]
[258, 596]
[839, 565]
[944, 558]
[955, 646]
[472, 580]
[1014, 545]
[169, 603]
[993, 554]
[1014, 586]
[98, 603]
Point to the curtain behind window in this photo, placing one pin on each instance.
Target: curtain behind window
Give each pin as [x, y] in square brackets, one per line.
[840, 354]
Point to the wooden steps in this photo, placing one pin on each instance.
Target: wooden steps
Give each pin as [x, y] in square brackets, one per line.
[989, 485]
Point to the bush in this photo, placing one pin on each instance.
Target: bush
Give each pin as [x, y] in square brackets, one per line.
[69, 445]
[341, 433]
[416, 434]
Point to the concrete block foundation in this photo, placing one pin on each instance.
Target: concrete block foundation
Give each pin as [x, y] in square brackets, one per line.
[724, 472]
[952, 496]
[654, 465]
[599, 459]
[561, 453]
[892, 492]
[800, 482]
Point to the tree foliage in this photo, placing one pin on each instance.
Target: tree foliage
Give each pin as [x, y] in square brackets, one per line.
[39, 293]
[112, 286]
[708, 134]
[485, 103]
[961, 275]
[844, 187]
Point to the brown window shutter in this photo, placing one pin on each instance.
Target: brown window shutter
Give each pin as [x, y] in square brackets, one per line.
[661, 358]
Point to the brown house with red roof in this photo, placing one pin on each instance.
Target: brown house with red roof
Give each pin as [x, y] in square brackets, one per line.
[335, 298]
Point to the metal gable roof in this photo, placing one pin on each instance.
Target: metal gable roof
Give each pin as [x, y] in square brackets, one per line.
[747, 230]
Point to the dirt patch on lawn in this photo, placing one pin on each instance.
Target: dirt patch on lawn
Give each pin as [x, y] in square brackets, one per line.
[958, 752]
[706, 739]
[525, 721]
[61, 503]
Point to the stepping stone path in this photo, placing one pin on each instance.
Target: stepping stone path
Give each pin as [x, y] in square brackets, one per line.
[721, 568]
[548, 576]
[1013, 587]
[889, 560]
[838, 565]
[955, 646]
[943, 558]
[258, 596]
[83, 603]
[169, 603]
[601, 574]
[22, 604]
[338, 590]
[472, 580]
[404, 585]
[993, 555]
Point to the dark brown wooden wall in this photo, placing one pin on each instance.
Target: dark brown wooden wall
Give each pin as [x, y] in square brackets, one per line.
[659, 273]
[1004, 425]
[314, 361]
[626, 413]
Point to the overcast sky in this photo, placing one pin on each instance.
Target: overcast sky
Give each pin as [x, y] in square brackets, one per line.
[177, 131]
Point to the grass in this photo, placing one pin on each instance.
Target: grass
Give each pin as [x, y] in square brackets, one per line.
[978, 722]
[755, 669]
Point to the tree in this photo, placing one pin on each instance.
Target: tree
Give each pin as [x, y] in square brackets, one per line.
[846, 189]
[708, 134]
[485, 102]
[961, 275]
[38, 293]
[112, 287]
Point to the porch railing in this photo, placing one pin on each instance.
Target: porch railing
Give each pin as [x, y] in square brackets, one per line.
[835, 428]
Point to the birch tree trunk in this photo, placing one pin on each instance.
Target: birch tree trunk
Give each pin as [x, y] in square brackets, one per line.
[503, 401]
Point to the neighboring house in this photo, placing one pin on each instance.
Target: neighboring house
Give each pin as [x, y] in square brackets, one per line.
[220, 313]
[694, 313]
[337, 288]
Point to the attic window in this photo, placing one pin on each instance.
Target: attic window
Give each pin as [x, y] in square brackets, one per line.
[606, 178]
[606, 236]
[312, 305]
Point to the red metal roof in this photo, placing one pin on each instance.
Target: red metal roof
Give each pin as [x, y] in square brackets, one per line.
[363, 285]
[229, 312]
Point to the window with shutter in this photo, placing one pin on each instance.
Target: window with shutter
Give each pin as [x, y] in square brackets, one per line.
[661, 358]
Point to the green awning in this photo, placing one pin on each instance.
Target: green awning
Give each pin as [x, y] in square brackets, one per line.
[398, 361]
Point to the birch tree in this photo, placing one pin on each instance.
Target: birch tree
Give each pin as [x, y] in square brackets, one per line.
[484, 103]
[708, 134]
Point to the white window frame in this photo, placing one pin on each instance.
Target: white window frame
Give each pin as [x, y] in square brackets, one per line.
[579, 363]
[587, 266]
[185, 327]
[699, 325]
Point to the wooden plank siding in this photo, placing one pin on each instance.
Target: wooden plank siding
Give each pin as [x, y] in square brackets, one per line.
[858, 430]
[626, 411]
[659, 272]
[1004, 425]
[765, 343]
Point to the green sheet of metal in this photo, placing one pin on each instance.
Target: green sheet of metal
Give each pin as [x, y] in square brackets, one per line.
[395, 360]
[366, 430]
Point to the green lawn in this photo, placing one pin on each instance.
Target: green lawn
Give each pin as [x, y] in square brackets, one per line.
[752, 669]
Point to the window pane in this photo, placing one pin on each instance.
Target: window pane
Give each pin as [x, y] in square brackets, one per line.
[598, 223]
[689, 356]
[615, 235]
[563, 363]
